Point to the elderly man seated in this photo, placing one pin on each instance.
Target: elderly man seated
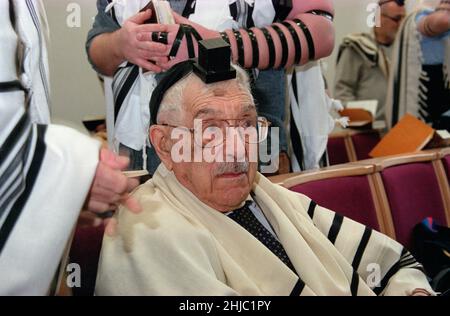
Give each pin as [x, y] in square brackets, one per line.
[215, 226]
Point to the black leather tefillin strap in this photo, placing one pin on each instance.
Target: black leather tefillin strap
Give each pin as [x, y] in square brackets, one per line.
[297, 44]
[255, 50]
[309, 39]
[187, 31]
[224, 36]
[284, 46]
[271, 46]
[240, 48]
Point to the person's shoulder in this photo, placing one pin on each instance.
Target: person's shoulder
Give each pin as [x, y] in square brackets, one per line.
[158, 219]
[357, 41]
[358, 36]
[101, 5]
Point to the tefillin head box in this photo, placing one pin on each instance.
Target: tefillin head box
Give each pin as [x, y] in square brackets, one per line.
[214, 57]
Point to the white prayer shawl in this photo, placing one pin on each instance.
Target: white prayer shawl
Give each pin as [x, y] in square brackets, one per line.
[45, 171]
[32, 27]
[130, 125]
[406, 72]
[132, 121]
[404, 87]
[310, 115]
[180, 246]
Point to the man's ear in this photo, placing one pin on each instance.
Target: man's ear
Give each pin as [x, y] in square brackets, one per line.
[162, 144]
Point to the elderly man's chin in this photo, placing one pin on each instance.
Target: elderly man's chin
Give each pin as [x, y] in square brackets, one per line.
[233, 188]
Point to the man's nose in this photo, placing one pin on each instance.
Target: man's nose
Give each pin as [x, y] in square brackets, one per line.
[235, 145]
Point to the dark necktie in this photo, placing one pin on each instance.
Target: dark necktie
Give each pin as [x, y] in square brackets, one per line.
[245, 217]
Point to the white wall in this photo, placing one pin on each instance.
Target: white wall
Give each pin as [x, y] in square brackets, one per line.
[350, 16]
[76, 91]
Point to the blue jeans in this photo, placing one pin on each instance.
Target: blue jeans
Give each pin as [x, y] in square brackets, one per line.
[269, 93]
[136, 161]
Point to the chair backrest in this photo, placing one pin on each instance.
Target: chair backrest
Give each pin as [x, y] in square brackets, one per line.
[363, 143]
[391, 193]
[445, 154]
[85, 251]
[351, 145]
[337, 150]
[345, 189]
[413, 191]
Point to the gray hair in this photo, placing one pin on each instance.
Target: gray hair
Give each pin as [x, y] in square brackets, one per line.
[173, 99]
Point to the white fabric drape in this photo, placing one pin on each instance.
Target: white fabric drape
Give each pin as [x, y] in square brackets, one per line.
[45, 171]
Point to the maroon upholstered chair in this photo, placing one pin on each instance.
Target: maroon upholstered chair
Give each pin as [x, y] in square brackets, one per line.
[446, 162]
[413, 193]
[337, 151]
[348, 196]
[346, 189]
[85, 251]
[364, 143]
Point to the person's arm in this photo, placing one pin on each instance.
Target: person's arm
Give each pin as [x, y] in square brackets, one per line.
[347, 74]
[436, 23]
[308, 35]
[40, 216]
[110, 186]
[305, 34]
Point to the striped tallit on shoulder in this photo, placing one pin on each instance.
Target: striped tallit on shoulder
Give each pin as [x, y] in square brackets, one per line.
[374, 257]
[310, 119]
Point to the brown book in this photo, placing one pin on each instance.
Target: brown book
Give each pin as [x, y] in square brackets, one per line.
[440, 139]
[357, 117]
[409, 135]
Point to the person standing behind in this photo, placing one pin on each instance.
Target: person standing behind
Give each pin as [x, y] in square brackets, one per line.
[266, 37]
[48, 173]
[362, 69]
[419, 82]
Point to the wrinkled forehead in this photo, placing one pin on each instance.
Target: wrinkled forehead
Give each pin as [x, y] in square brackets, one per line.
[224, 97]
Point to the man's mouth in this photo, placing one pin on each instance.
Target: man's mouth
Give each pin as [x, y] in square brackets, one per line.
[232, 175]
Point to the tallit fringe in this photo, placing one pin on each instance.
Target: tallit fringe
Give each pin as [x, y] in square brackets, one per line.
[446, 77]
[343, 121]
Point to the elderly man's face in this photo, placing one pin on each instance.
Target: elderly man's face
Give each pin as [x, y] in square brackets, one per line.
[222, 185]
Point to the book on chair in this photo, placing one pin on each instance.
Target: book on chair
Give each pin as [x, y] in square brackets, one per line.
[360, 113]
[409, 135]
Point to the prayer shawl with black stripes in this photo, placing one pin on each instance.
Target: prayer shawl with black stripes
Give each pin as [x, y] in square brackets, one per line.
[406, 93]
[34, 36]
[180, 246]
[45, 171]
[310, 121]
